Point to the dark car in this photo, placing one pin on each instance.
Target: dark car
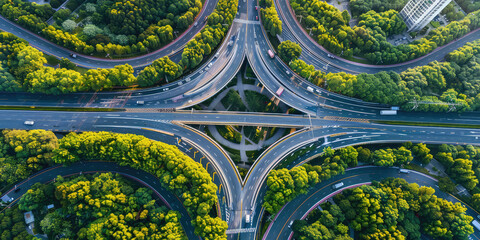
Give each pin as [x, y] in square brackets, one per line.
[17, 189]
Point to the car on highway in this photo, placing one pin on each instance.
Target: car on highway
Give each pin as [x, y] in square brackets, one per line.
[256, 17]
[279, 91]
[140, 102]
[73, 55]
[331, 56]
[404, 170]
[338, 185]
[195, 24]
[290, 224]
[29, 123]
[17, 189]
[270, 53]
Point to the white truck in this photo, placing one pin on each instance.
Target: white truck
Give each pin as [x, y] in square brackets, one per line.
[476, 224]
[247, 218]
[310, 89]
[338, 185]
[29, 123]
[402, 170]
[388, 112]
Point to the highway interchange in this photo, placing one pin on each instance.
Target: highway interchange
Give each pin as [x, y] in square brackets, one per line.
[329, 120]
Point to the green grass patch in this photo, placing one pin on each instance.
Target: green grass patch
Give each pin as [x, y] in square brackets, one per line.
[260, 103]
[52, 60]
[229, 133]
[358, 60]
[274, 41]
[81, 70]
[249, 72]
[69, 109]
[253, 155]
[233, 100]
[248, 81]
[435, 24]
[427, 124]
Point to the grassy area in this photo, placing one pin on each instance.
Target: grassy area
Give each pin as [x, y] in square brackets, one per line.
[253, 155]
[435, 24]
[248, 81]
[69, 109]
[426, 124]
[81, 70]
[242, 171]
[249, 72]
[229, 133]
[233, 98]
[260, 103]
[52, 60]
[273, 40]
[358, 60]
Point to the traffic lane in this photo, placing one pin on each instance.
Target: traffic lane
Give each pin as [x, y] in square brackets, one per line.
[47, 175]
[272, 85]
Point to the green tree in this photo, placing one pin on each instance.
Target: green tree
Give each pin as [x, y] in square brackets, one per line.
[289, 51]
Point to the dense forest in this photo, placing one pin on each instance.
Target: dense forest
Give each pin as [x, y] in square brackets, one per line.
[12, 225]
[100, 206]
[23, 153]
[369, 38]
[454, 81]
[117, 27]
[390, 209]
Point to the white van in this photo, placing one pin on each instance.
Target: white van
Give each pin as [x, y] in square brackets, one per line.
[338, 185]
[29, 123]
[404, 170]
[310, 89]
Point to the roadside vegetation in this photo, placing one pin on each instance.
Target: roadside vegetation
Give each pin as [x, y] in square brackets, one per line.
[271, 21]
[389, 209]
[119, 27]
[99, 206]
[286, 184]
[23, 153]
[337, 218]
[368, 39]
[32, 76]
[450, 82]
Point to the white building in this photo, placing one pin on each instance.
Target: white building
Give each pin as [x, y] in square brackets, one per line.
[418, 13]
